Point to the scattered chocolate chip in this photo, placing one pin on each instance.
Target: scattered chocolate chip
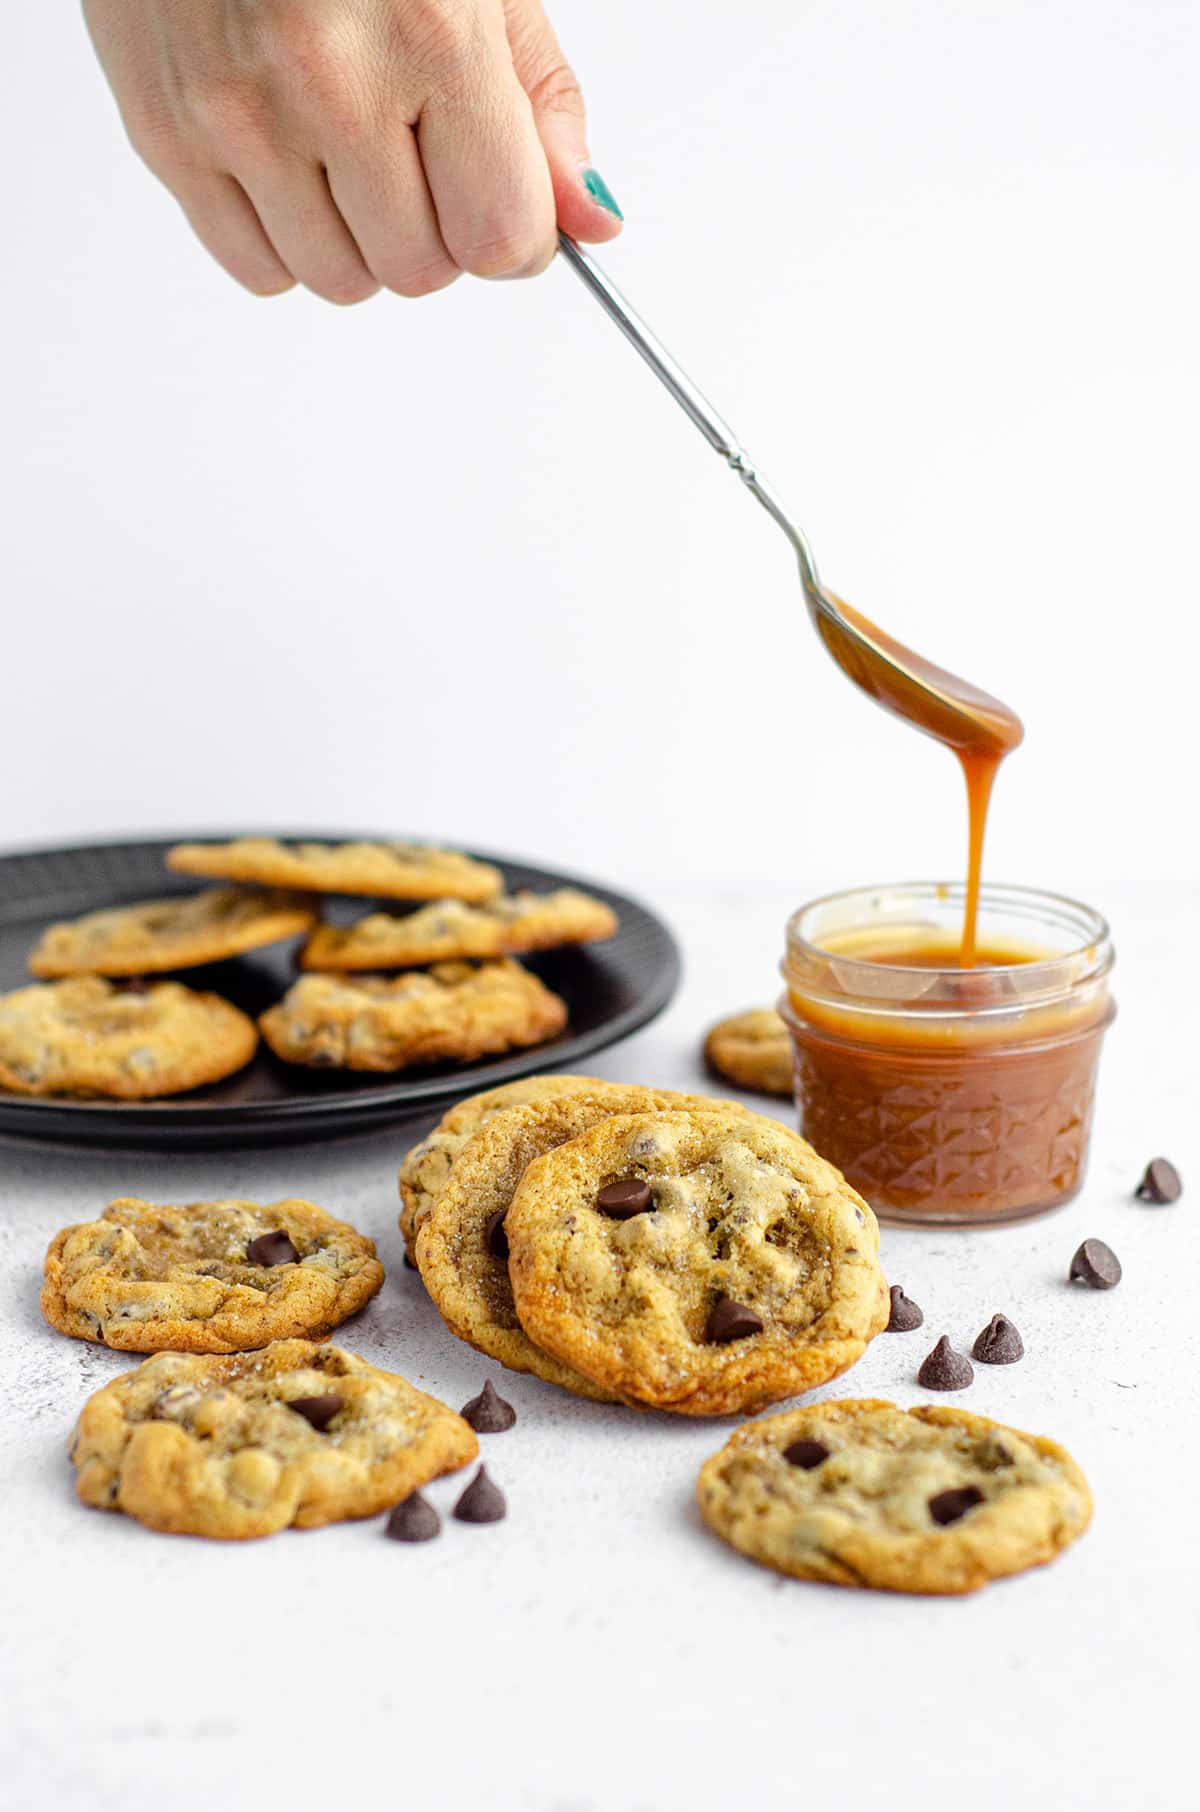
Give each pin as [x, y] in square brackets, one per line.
[625, 1198]
[999, 1343]
[948, 1506]
[494, 1236]
[488, 1413]
[730, 1320]
[944, 1369]
[1096, 1265]
[991, 1453]
[413, 1519]
[481, 1502]
[905, 1315]
[317, 1411]
[806, 1454]
[272, 1249]
[1162, 1183]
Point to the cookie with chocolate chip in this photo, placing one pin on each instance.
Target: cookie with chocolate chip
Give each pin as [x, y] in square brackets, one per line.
[207, 1277]
[242, 1446]
[392, 871]
[861, 1493]
[92, 1037]
[704, 1263]
[452, 1012]
[178, 933]
[426, 1167]
[461, 1248]
[752, 1050]
[450, 930]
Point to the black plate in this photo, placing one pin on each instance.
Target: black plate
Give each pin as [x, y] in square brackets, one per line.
[610, 989]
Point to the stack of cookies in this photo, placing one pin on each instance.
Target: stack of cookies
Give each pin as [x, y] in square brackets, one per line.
[642, 1246]
[431, 978]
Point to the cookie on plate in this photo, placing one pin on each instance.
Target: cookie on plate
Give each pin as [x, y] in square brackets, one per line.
[461, 1246]
[207, 1277]
[93, 1037]
[427, 1165]
[177, 933]
[456, 1011]
[704, 1263]
[861, 1493]
[752, 1050]
[448, 930]
[296, 1434]
[392, 871]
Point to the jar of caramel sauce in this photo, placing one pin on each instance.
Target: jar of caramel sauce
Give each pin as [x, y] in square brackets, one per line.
[948, 1094]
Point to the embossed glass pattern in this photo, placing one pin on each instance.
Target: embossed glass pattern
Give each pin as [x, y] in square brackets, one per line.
[949, 1095]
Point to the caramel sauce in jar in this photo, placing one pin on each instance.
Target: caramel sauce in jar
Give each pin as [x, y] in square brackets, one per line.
[949, 1094]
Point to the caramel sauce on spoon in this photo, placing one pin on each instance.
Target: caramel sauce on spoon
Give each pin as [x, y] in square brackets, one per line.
[978, 728]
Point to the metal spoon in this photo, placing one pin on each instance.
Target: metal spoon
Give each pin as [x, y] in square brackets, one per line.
[977, 726]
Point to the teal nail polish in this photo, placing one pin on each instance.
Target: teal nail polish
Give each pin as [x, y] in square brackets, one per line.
[599, 191]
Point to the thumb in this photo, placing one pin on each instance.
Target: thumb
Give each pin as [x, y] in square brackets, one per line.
[585, 204]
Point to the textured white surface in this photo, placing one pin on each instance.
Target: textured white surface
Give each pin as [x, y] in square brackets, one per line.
[599, 1649]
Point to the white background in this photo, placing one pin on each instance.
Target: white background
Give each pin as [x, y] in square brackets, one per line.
[457, 567]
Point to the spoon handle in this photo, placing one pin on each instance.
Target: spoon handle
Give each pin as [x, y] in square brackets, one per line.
[695, 405]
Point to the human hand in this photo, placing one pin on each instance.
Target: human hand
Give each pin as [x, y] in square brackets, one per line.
[350, 145]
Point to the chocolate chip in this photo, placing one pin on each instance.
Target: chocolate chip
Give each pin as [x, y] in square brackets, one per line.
[1096, 1265]
[625, 1198]
[905, 1315]
[730, 1320]
[948, 1506]
[488, 1413]
[1161, 1183]
[806, 1454]
[413, 1519]
[272, 1249]
[999, 1343]
[944, 1369]
[494, 1236]
[481, 1502]
[318, 1411]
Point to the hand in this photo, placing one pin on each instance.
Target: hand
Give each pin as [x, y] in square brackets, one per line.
[354, 144]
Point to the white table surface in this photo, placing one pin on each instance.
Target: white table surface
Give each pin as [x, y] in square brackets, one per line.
[599, 1649]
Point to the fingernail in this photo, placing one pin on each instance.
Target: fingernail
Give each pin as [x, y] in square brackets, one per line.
[599, 191]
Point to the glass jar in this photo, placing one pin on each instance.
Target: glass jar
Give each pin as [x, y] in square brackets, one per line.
[948, 1095]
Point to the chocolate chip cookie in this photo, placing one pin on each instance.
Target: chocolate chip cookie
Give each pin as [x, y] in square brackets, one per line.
[176, 933]
[90, 1037]
[233, 1448]
[449, 930]
[704, 1263]
[207, 1277]
[392, 871]
[456, 1011]
[427, 1165]
[461, 1246]
[861, 1493]
[752, 1050]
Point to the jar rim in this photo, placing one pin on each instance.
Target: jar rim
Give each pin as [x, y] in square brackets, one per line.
[1092, 927]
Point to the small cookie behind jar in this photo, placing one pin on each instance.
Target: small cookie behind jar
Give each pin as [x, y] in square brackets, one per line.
[239, 1447]
[208, 1277]
[704, 1263]
[861, 1493]
[752, 1050]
